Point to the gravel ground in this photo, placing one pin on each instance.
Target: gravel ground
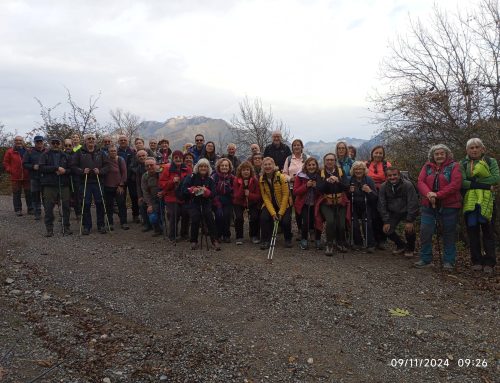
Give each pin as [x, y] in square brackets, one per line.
[126, 307]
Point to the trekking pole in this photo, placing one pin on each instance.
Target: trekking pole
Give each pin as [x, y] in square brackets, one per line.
[438, 236]
[366, 223]
[104, 205]
[60, 205]
[270, 253]
[352, 220]
[83, 202]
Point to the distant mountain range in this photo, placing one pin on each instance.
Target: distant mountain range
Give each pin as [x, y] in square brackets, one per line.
[180, 130]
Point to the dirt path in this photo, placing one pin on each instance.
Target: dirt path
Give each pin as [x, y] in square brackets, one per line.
[132, 308]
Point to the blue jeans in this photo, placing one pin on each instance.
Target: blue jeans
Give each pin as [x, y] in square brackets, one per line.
[447, 218]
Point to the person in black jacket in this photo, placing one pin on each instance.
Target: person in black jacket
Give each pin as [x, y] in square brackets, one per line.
[54, 168]
[30, 162]
[398, 201]
[88, 163]
[199, 189]
[277, 150]
[333, 184]
[363, 196]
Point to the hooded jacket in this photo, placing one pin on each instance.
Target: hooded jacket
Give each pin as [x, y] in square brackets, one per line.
[167, 183]
[449, 182]
[276, 200]
[13, 164]
[32, 157]
[399, 198]
[300, 190]
[239, 188]
[50, 161]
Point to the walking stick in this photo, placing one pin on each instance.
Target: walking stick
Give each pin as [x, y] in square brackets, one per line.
[270, 253]
[60, 205]
[83, 202]
[352, 220]
[103, 204]
[438, 235]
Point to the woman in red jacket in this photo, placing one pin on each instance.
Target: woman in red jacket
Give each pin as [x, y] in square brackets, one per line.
[246, 195]
[170, 178]
[439, 185]
[306, 195]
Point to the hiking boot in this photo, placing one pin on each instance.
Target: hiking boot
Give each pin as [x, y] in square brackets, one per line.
[38, 217]
[264, 245]
[136, 219]
[398, 251]
[448, 266]
[146, 229]
[157, 234]
[488, 270]
[409, 254]
[381, 246]
[239, 241]
[303, 244]
[125, 226]
[288, 243]
[19, 213]
[370, 250]
[85, 231]
[342, 248]
[31, 211]
[422, 264]
[216, 245]
[50, 232]
[319, 245]
[102, 230]
[255, 240]
[67, 231]
[226, 240]
[194, 245]
[329, 250]
[111, 227]
[477, 267]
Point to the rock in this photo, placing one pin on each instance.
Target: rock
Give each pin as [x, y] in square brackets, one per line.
[106, 380]
[9, 281]
[163, 378]
[310, 361]
[15, 292]
[45, 296]
[420, 332]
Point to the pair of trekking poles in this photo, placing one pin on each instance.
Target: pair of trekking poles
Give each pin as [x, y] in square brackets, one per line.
[83, 202]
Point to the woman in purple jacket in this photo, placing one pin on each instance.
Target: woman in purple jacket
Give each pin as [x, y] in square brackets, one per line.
[439, 185]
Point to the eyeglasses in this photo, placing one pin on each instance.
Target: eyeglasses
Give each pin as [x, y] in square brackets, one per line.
[68, 146]
[107, 142]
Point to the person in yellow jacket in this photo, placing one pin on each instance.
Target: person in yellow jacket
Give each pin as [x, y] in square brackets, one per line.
[276, 207]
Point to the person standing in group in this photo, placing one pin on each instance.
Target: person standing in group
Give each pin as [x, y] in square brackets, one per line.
[397, 202]
[188, 160]
[343, 159]
[439, 184]
[333, 185]
[164, 152]
[377, 166]
[170, 182]
[152, 195]
[19, 176]
[31, 161]
[246, 196]
[107, 142]
[187, 146]
[114, 187]
[363, 197]
[480, 183]
[223, 198]
[254, 149]
[128, 155]
[352, 152]
[139, 168]
[75, 139]
[257, 164]
[307, 194]
[294, 164]
[210, 154]
[73, 181]
[88, 163]
[277, 150]
[276, 207]
[153, 146]
[55, 169]
[231, 156]
[199, 189]
[198, 150]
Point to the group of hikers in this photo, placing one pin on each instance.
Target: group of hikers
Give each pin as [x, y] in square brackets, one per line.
[359, 204]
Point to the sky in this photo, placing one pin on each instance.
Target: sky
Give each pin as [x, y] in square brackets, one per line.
[314, 62]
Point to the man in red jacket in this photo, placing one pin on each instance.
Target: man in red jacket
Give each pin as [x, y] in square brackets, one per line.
[13, 164]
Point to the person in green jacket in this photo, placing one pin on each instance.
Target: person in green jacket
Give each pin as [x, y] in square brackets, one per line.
[480, 183]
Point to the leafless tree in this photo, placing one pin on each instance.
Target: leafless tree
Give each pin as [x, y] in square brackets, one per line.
[125, 123]
[6, 137]
[442, 83]
[83, 120]
[254, 125]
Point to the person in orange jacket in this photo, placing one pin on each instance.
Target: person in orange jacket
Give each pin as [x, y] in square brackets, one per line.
[19, 176]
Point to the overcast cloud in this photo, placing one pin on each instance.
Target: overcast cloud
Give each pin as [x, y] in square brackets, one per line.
[314, 61]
